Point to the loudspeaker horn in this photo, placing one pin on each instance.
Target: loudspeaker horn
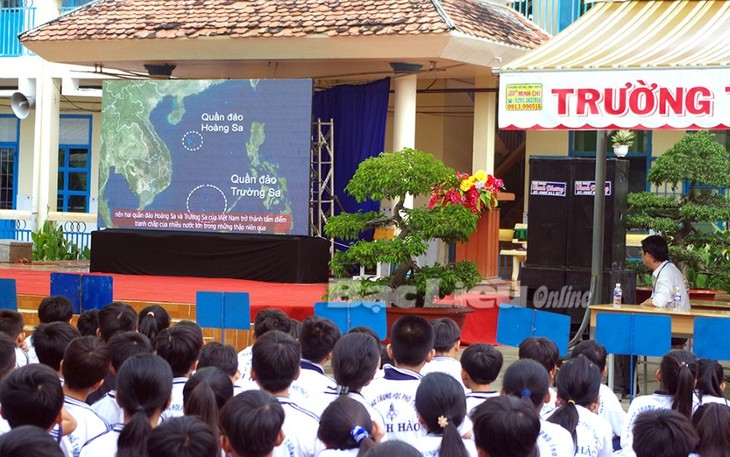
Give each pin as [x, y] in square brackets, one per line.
[21, 104]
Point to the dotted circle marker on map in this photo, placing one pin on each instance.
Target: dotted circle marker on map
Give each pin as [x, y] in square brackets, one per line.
[192, 140]
[206, 198]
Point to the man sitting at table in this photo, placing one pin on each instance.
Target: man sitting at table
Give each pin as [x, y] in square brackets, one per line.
[665, 275]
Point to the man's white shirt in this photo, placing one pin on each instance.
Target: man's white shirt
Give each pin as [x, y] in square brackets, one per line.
[666, 277]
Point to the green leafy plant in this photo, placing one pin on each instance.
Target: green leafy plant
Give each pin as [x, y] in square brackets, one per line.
[50, 244]
[695, 221]
[393, 176]
[623, 137]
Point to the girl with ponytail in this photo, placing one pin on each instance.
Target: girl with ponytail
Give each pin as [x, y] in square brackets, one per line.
[527, 380]
[677, 375]
[152, 320]
[710, 382]
[578, 385]
[441, 407]
[144, 385]
[204, 395]
[345, 429]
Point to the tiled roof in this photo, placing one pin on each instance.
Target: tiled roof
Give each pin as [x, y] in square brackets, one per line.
[170, 19]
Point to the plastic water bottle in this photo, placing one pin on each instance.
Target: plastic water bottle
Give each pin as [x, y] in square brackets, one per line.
[677, 299]
[617, 295]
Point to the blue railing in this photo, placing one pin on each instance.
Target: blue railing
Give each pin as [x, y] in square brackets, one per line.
[75, 232]
[552, 15]
[14, 21]
[12, 229]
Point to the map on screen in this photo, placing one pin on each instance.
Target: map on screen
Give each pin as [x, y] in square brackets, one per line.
[206, 155]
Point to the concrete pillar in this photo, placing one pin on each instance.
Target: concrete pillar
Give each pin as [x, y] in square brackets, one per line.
[45, 152]
[404, 112]
[485, 121]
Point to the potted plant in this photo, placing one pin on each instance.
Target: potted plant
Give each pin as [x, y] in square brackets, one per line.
[693, 217]
[622, 140]
[456, 202]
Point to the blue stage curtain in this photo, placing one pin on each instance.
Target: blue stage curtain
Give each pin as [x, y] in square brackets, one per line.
[359, 113]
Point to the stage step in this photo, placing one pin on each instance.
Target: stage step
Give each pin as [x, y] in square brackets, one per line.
[28, 307]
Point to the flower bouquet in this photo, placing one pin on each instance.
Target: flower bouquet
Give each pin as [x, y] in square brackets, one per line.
[477, 192]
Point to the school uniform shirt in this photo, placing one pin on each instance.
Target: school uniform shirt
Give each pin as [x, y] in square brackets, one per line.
[666, 277]
[375, 415]
[594, 435]
[21, 358]
[611, 410]
[475, 398]
[89, 425]
[311, 386]
[108, 409]
[104, 445]
[244, 363]
[56, 433]
[32, 356]
[554, 440]
[430, 444]
[444, 364]
[710, 399]
[339, 452]
[657, 400]
[394, 397]
[176, 399]
[300, 431]
[548, 408]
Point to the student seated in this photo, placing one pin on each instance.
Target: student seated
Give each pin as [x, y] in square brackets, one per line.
[712, 423]
[29, 441]
[506, 427]
[88, 322]
[665, 433]
[152, 320]
[546, 353]
[11, 324]
[346, 428]
[183, 437]
[710, 387]
[180, 347]
[265, 320]
[205, 393]
[55, 308]
[317, 338]
[480, 366]
[223, 356]
[50, 341]
[446, 342]
[251, 424]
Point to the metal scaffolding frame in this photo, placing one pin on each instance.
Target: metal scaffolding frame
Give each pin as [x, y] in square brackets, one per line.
[322, 178]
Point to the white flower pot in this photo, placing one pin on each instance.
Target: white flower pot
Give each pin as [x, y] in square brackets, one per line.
[621, 150]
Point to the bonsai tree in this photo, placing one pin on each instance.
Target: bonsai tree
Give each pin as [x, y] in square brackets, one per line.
[452, 215]
[694, 222]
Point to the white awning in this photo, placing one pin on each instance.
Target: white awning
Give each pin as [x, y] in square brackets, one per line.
[635, 64]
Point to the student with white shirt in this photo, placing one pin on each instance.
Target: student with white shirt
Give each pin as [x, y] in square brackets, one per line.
[84, 365]
[205, 393]
[317, 337]
[346, 429]
[677, 375]
[710, 387]
[578, 384]
[393, 449]
[151, 320]
[480, 366]
[50, 341]
[609, 407]
[55, 308]
[546, 353]
[88, 322]
[506, 427]
[29, 441]
[529, 381]
[712, 423]
[265, 320]
[665, 433]
[183, 437]
[394, 395]
[446, 343]
[441, 407]
[180, 347]
[383, 351]
[11, 323]
[251, 424]
[274, 365]
[32, 395]
[219, 355]
[144, 384]
[122, 346]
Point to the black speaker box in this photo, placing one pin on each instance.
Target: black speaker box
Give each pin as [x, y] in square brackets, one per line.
[580, 279]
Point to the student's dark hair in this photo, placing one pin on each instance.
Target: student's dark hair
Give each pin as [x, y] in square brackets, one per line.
[29, 441]
[709, 378]
[7, 354]
[55, 308]
[270, 319]
[124, 345]
[86, 361]
[251, 422]
[11, 322]
[50, 341]
[528, 380]
[144, 385]
[445, 334]
[116, 317]
[88, 322]
[540, 349]
[506, 427]
[411, 340]
[712, 423]
[593, 351]
[368, 331]
[180, 347]
[579, 382]
[31, 395]
[394, 449]
[656, 246]
[663, 432]
[318, 337]
[482, 362]
[679, 373]
[183, 437]
[151, 320]
[192, 326]
[204, 395]
[223, 356]
[355, 360]
[275, 360]
[441, 404]
[295, 328]
[346, 424]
